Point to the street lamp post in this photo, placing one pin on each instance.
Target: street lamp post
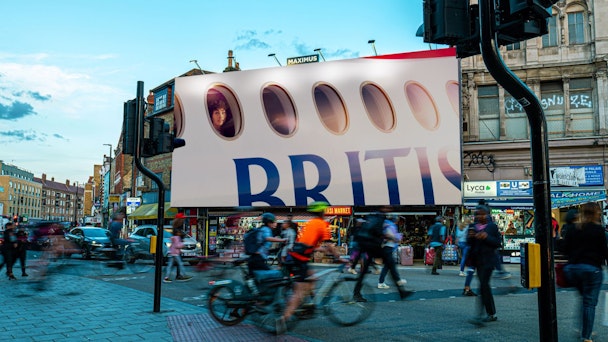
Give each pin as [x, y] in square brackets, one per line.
[373, 43]
[320, 53]
[275, 58]
[109, 178]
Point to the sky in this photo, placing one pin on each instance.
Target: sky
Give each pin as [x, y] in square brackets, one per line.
[68, 66]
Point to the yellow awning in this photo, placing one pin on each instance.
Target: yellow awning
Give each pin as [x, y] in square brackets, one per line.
[150, 212]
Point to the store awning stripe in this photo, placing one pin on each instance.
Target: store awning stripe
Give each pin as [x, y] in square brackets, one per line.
[150, 211]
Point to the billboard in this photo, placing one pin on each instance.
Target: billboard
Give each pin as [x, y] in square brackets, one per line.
[367, 131]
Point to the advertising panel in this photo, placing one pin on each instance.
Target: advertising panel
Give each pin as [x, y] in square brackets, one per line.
[367, 131]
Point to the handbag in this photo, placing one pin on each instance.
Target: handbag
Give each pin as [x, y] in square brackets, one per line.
[560, 276]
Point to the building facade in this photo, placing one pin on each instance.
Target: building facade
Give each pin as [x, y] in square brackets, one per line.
[567, 70]
[20, 193]
[61, 201]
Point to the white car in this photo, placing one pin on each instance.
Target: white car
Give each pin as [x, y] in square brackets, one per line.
[190, 252]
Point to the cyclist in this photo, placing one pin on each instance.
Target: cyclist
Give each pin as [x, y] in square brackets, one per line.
[315, 232]
[257, 261]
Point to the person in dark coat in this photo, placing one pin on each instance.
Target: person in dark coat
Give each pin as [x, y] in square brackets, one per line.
[484, 239]
[22, 247]
[9, 249]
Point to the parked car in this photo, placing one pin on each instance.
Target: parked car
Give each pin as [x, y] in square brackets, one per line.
[190, 252]
[90, 239]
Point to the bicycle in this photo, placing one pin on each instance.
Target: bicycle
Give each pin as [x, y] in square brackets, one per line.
[112, 260]
[231, 301]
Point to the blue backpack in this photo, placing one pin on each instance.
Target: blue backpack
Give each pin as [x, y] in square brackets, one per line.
[252, 241]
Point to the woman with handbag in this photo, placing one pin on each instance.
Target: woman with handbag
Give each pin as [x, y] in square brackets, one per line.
[585, 245]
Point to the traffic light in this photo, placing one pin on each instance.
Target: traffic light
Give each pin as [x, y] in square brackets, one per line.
[457, 23]
[446, 21]
[523, 19]
[129, 128]
[160, 139]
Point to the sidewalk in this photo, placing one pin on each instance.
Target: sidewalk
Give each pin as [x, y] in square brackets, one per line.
[83, 309]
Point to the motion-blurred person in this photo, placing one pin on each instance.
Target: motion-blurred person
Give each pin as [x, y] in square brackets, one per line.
[585, 245]
[392, 237]
[461, 242]
[484, 239]
[436, 237]
[9, 249]
[175, 251]
[22, 247]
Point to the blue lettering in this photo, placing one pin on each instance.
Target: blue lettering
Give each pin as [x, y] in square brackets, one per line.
[388, 156]
[356, 178]
[299, 178]
[246, 198]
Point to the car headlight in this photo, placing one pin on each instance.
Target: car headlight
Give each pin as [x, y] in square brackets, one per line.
[96, 244]
[198, 245]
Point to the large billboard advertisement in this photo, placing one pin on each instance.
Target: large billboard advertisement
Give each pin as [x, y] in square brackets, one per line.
[366, 131]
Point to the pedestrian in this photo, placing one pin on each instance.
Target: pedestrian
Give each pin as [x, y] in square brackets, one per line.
[356, 257]
[484, 239]
[370, 239]
[585, 245]
[436, 237]
[289, 234]
[264, 240]
[9, 249]
[461, 242]
[392, 238]
[175, 251]
[22, 247]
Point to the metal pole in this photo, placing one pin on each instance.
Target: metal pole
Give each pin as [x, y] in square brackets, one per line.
[139, 131]
[540, 165]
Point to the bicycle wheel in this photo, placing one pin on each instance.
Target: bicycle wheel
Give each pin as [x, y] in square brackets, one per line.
[135, 264]
[265, 314]
[340, 306]
[224, 307]
[108, 266]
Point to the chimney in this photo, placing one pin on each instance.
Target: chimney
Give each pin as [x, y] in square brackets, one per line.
[230, 57]
[238, 67]
[44, 177]
[67, 182]
[150, 98]
[52, 179]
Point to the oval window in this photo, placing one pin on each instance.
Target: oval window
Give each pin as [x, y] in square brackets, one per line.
[378, 107]
[452, 88]
[178, 118]
[280, 110]
[331, 108]
[224, 112]
[422, 105]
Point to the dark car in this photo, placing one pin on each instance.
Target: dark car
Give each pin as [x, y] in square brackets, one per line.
[90, 239]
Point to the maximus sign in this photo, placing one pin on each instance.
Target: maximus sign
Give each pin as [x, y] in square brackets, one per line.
[303, 59]
[368, 131]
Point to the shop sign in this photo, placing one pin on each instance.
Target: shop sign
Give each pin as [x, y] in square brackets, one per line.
[339, 211]
[114, 198]
[480, 189]
[515, 188]
[587, 175]
[513, 243]
[293, 145]
[303, 59]
[560, 199]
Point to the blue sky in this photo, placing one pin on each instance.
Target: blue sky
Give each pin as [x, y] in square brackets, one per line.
[67, 66]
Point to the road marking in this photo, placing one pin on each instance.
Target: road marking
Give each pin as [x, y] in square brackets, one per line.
[123, 278]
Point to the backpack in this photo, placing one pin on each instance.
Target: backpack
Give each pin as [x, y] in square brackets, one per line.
[371, 233]
[252, 241]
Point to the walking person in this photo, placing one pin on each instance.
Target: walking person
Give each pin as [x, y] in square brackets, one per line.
[22, 247]
[484, 238]
[370, 239]
[461, 242]
[288, 233]
[175, 251]
[392, 237]
[436, 237]
[585, 245]
[9, 249]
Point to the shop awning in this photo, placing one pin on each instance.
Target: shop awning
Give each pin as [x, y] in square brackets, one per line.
[150, 212]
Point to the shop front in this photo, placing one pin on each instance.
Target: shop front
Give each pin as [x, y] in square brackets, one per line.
[512, 207]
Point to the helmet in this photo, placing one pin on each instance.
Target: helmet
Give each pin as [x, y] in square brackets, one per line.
[268, 217]
[318, 206]
[438, 219]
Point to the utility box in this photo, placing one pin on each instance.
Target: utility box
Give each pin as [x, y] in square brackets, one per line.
[530, 265]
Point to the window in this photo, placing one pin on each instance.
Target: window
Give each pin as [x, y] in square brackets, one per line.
[552, 101]
[576, 28]
[516, 120]
[489, 121]
[581, 107]
[550, 39]
[514, 46]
